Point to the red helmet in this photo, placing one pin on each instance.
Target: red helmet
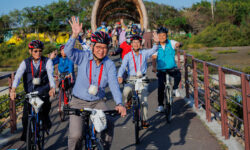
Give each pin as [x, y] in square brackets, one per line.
[62, 47]
[36, 44]
[136, 37]
[100, 37]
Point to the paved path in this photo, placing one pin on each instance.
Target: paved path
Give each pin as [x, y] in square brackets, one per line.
[185, 131]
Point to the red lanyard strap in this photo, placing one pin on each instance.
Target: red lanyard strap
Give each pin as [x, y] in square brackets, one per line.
[32, 68]
[134, 61]
[90, 73]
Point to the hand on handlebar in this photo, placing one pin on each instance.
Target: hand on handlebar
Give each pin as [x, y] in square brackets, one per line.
[52, 92]
[154, 70]
[120, 80]
[121, 110]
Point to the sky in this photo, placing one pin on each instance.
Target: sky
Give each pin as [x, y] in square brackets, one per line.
[9, 5]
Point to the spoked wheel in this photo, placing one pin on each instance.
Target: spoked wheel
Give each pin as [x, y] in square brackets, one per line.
[61, 104]
[168, 107]
[30, 135]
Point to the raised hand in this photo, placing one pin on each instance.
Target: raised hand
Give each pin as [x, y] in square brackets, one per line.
[156, 38]
[76, 26]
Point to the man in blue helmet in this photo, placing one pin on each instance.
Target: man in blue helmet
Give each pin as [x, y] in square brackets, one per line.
[165, 60]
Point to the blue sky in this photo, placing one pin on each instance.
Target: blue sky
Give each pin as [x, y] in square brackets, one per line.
[8, 5]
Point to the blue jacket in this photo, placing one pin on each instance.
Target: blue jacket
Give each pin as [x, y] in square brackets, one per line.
[64, 65]
[166, 57]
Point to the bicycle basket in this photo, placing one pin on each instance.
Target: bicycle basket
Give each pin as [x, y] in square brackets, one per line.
[36, 103]
[99, 120]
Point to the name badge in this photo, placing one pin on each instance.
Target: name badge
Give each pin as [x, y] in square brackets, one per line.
[36, 81]
[93, 90]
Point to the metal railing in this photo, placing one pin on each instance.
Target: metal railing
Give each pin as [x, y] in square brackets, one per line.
[215, 95]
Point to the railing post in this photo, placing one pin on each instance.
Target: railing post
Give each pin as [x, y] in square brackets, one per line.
[195, 82]
[223, 107]
[186, 75]
[12, 107]
[246, 109]
[207, 94]
[179, 65]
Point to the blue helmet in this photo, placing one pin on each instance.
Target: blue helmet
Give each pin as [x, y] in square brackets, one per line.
[162, 30]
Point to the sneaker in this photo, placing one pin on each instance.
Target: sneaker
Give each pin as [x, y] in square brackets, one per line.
[160, 109]
[144, 124]
[176, 93]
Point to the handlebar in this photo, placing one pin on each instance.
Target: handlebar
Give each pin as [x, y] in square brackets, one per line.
[63, 75]
[86, 111]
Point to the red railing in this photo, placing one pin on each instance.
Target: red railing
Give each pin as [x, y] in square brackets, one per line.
[215, 99]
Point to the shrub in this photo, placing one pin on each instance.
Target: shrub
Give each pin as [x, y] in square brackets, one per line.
[227, 51]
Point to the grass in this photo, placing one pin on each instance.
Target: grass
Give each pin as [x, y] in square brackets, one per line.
[227, 51]
[248, 53]
[209, 50]
[205, 56]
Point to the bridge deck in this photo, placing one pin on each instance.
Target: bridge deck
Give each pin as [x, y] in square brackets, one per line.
[186, 131]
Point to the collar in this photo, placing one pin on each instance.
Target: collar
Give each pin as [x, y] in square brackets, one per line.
[140, 51]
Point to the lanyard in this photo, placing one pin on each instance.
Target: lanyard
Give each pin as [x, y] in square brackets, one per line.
[32, 68]
[134, 61]
[90, 74]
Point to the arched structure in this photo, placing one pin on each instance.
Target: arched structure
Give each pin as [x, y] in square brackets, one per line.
[107, 10]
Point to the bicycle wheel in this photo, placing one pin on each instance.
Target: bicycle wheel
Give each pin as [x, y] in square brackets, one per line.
[61, 104]
[136, 121]
[40, 137]
[168, 109]
[30, 135]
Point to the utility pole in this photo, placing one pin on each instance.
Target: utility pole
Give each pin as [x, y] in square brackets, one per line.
[212, 8]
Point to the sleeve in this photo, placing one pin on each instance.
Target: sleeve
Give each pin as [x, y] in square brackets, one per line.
[173, 42]
[73, 54]
[19, 74]
[114, 85]
[123, 66]
[155, 54]
[50, 70]
[150, 52]
[71, 67]
[55, 60]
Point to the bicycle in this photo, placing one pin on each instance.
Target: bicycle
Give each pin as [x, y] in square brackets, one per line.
[90, 140]
[64, 94]
[139, 85]
[168, 96]
[35, 131]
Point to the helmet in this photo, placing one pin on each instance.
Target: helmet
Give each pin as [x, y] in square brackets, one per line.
[100, 37]
[103, 23]
[136, 37]
[36, 44]
[162, 30]
[62, 47]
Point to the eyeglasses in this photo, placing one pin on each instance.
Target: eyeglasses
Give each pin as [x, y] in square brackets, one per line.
[36, 51]
[99, 47]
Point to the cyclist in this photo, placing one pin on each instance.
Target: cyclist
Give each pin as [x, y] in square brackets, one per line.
[37, 73]
[103, 27]
[165, 60]
[136, 61]
[124, 48]
[95, 72]
[65, 65]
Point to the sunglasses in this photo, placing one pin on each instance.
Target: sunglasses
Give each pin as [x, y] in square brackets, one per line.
[36, 51]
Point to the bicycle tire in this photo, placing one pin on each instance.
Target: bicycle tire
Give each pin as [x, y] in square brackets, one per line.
[61, 104]
[137, 126]
[30, 138]
[40, 138]
[168, 108]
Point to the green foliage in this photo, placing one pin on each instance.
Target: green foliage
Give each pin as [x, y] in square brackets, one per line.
[224, 34]
[12, 55]
[205, 56]
[227, 51]
[209, 50]
[233, 107]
